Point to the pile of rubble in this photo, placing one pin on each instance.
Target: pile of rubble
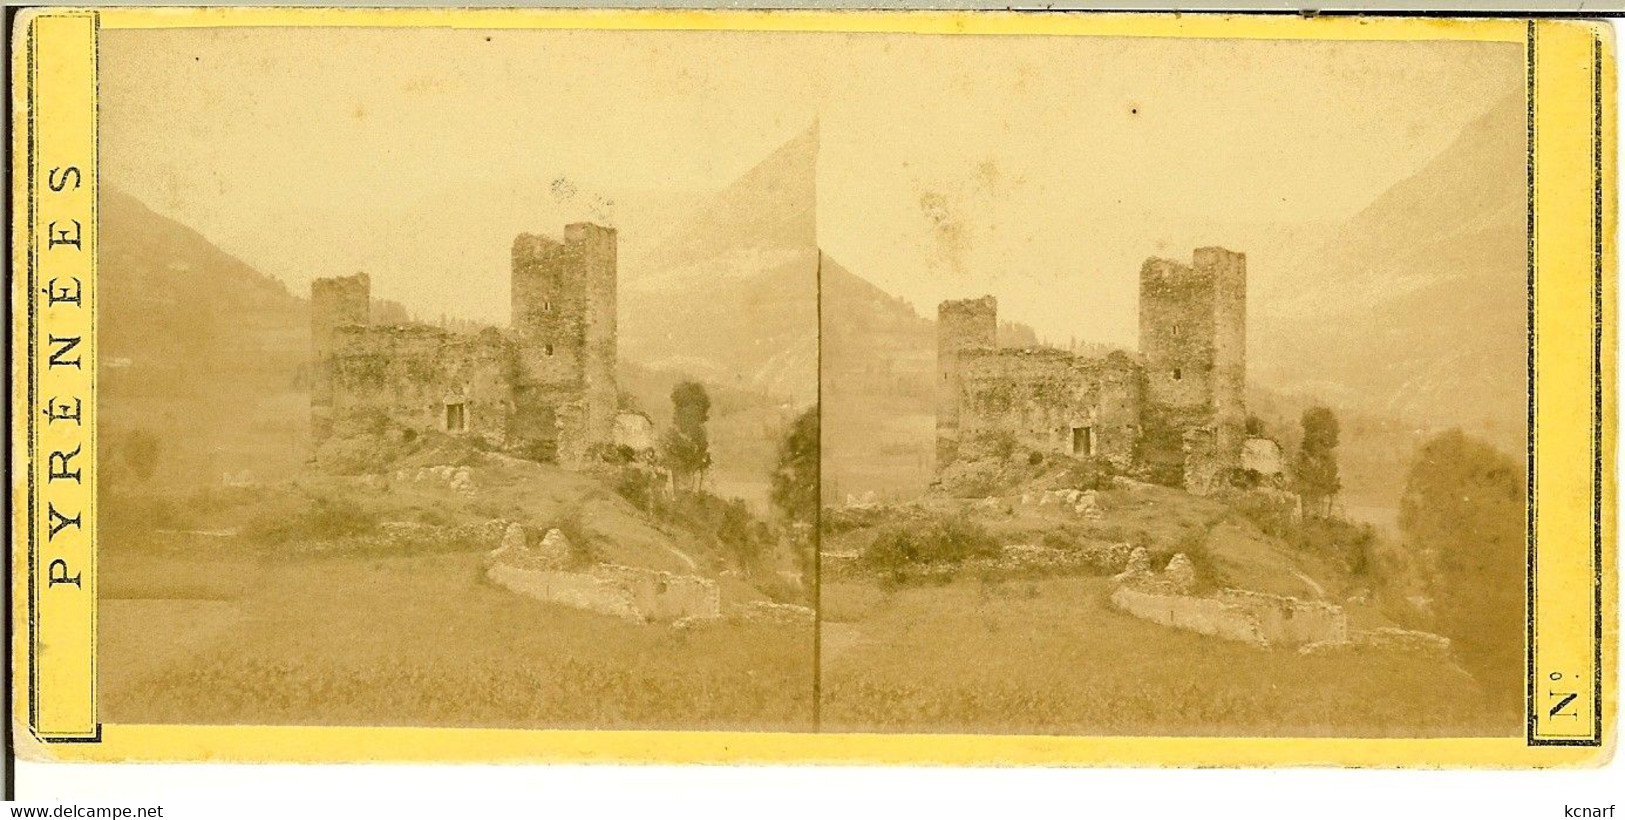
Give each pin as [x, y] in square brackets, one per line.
[457, 479]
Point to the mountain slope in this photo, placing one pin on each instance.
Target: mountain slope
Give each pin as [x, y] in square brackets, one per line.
[1416, 307]
[197, 348]
[878, 421]
[731, 296]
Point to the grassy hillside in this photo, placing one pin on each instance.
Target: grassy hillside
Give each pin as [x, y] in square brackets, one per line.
[1007, 647]
[1048, 656]
[362, 599]
[198, 350]
[879, 422]
[274, 639]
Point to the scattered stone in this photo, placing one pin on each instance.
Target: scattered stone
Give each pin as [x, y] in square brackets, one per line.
[634, 431]
[514, 537]
[772, 612]
[1181, 574]
[554, 551]
[1262, 456]
[1139, 561]
[1126, 483]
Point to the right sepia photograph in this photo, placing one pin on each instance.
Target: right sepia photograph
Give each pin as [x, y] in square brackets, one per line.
[1173, 387]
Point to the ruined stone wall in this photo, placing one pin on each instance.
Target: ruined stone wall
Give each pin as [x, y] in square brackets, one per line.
[549, 311]
[1285, 621]
[1206, 616]
[1052, 401]
[630, 593]
[564, 324]
[1228, 271]
[599, 263]
[964, 324]
[411, 376]
[1239, 615]
[1176, 335]
[1203, 469]
[1193, 328]
[336, 302]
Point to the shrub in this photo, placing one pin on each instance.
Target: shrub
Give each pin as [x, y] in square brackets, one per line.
[1272, 516]
[581, 539]
[1344, 541]
[1060, 538]
[639, 485]
[1350, 543]
[726, 524]
[944, 540]
[353, 455]
[612, 454]
[1089, 473]
[312, 519]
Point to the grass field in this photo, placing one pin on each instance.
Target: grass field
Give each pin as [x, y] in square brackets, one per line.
[1050, 657]
[226, 636]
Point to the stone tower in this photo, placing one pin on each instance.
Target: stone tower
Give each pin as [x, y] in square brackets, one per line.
[335, 302]
[1193, 336]
[961, 325]
[563, 303]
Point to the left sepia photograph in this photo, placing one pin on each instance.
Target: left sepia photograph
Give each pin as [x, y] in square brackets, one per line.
[456, 378]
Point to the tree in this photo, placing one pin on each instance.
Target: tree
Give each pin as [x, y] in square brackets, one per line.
[686, 448]
[1255, 426]
[795, 488]
[795, 481]
[1463, 511]
[1315, 469]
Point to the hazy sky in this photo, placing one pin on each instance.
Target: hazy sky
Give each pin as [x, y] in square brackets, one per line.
[1042, 169]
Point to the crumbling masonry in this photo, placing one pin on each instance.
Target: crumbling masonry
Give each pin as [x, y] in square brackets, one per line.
[1177, 409]
[544, 387]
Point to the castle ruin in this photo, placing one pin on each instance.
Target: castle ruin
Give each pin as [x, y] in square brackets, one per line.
[543, 387]
[1177, 409]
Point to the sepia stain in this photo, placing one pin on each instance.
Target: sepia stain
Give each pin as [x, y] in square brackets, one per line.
[950, 238]
[563, 189]
[420, 85]
[988, 175]
[359, 113]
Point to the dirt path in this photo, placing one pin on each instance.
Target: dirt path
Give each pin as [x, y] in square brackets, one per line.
[1320, 591]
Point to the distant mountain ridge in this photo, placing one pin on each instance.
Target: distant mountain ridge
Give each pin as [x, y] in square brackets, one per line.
[731, 295]
[1416, 307]
[197, 347]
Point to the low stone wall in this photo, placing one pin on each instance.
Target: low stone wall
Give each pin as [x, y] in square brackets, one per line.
[631, 593]
[1207, 616]
[1175, 597]
[662, 596]
[1390, 637]
[1289, 621]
